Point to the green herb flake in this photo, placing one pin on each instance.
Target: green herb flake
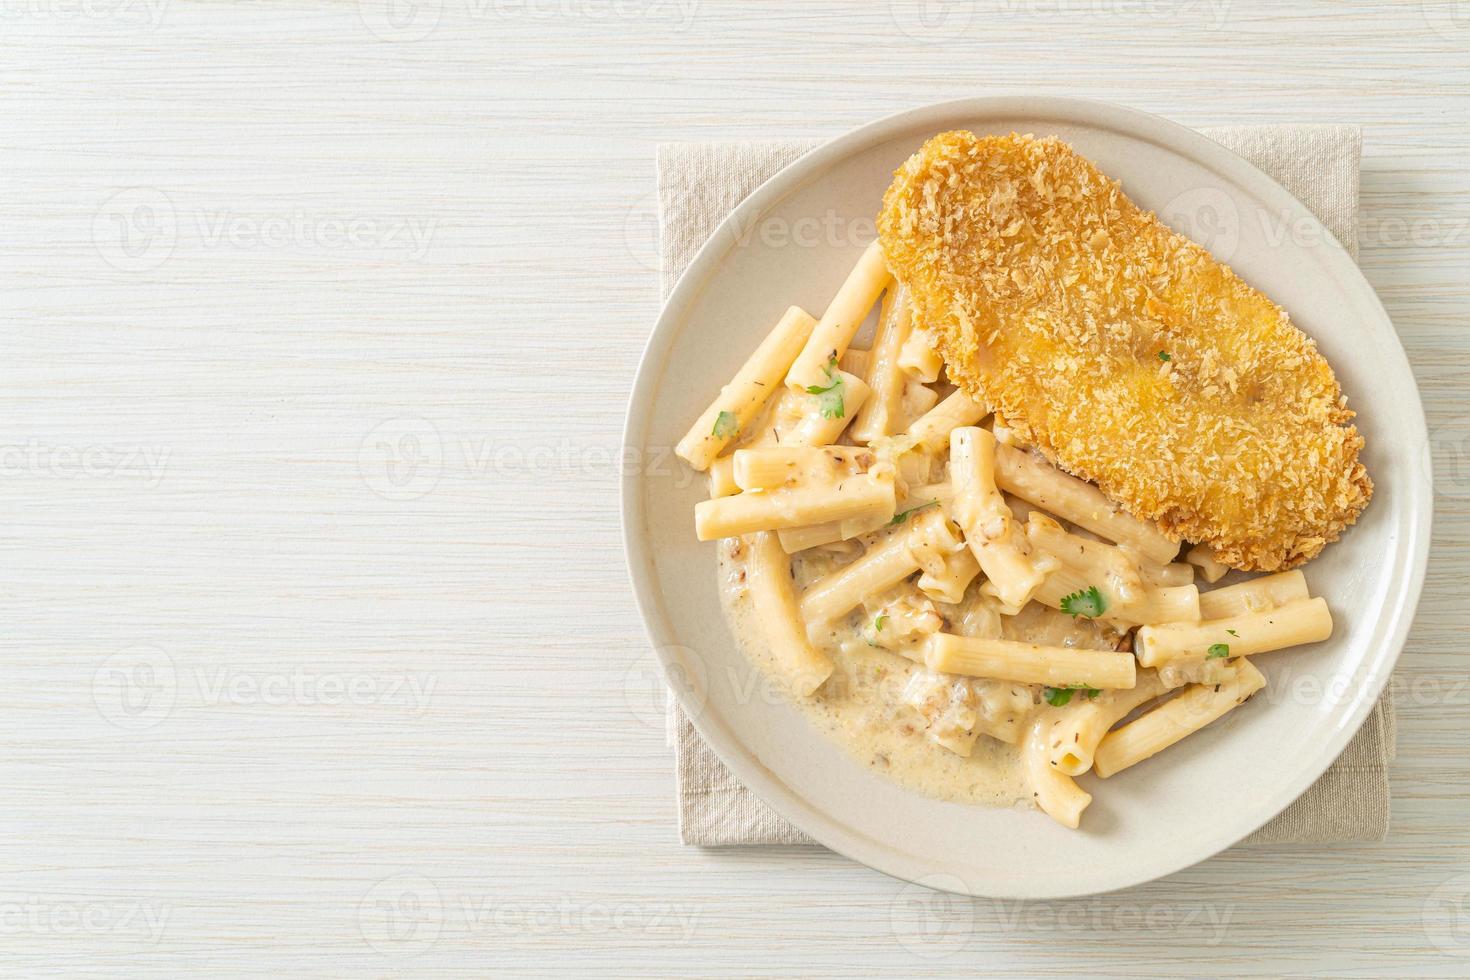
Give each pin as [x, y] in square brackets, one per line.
[726, 425]
[1165, 356]
[878, 623]
[1087, 602]
[903, 515]
[1217, 650]
[1233, 633]
[1059, 696]
[829, 396]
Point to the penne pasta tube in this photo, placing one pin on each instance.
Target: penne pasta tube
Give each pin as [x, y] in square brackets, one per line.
[830, 338]
[1108, 565]
[1257, 595]
[768, 572]
[1073, 738]
[919, 356]
[795, 539]
[917, 401]
[879, 416]
[931, 431]
[746, 513]
[884, 565]
[925, 492]
[1302, 621]
[998, 542]
[1058, 796]
[796, 419]
[800, 538]
[855, 362]
[880, 568]
[1176, 718]
[1175, 573]
[769, 469]
[816, 429]
[949, 583]
[740, 401]
[1202, 557]
[1169, 604]
[722, 477]
[1037, 481]
[1030, 663]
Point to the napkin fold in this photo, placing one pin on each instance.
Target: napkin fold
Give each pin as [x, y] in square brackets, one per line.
[700, 183]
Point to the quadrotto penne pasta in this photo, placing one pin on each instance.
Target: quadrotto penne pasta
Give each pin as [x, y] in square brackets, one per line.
[958, 612]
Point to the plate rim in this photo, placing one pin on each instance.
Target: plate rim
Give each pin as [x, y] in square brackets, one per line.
[1418, 500]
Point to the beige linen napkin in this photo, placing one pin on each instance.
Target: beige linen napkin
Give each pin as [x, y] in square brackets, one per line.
[700, 183]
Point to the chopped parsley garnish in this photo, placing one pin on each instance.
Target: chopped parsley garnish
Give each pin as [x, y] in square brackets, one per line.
[1233, 633]
[726, 425]
[903, 515]
[1217, 650]
[1059, 697]
[878, 623]
[1086, 602]
[1165, 356]
[829, 396]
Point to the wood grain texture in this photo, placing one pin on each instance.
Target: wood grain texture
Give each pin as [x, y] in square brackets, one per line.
[319, 321]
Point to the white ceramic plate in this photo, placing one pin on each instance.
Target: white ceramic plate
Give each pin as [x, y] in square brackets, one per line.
[1202, 795]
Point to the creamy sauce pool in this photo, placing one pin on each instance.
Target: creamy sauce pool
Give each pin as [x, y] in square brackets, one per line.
[861, 707]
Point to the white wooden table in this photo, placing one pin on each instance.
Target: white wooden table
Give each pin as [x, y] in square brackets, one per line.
[318, 324]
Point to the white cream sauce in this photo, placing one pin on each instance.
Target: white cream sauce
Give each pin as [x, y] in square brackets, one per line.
[862, 708]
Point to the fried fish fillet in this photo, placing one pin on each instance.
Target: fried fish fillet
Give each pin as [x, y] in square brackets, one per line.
[1123, 351]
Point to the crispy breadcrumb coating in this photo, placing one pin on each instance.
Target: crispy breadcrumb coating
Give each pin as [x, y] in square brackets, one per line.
[1124, 351]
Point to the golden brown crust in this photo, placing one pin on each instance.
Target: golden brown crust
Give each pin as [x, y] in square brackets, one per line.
[1053, 296]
